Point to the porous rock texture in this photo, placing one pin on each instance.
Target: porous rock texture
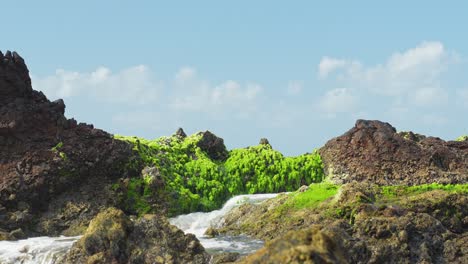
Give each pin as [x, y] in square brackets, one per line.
[374, 151]
[55, 174]
[113, 238]
[358, 225]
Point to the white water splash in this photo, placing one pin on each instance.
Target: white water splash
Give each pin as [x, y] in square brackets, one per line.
[37, 250]
[51, 250]
[198, 223]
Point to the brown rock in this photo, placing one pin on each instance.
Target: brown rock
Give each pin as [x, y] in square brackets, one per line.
[47, 161]
[113, 238]
[374, 151]
[213, 146]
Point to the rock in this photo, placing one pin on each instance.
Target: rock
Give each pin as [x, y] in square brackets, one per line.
[113, 238]
[225, 257]
[180, 133]
[426, 227]
[313, 245]
[44, 154]
[213, 146]
[373, 151]
[303, 188]
[264, 141]
[211, 232]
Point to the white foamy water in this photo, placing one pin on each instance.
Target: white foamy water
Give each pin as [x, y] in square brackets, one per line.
[37, 250]
[198, 223]
[50, 250]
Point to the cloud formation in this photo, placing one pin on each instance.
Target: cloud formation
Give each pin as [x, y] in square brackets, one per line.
[134, 85]
[412, 77]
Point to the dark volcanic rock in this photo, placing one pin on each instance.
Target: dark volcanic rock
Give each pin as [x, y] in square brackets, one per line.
[53, 172]
[181, 133]
[264, 141]
[374, 151]
[213, 146]
[112, 238]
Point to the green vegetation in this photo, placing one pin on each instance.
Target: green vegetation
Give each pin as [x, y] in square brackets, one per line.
[462, 138]
[317, 193]
[396, 191]
[57, 148]
[194, 182]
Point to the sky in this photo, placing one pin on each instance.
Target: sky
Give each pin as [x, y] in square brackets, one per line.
[296, 72]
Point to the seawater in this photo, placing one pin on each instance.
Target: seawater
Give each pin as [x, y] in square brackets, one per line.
[198, 223]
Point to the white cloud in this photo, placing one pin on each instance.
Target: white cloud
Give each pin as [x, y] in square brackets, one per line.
[338, 101]
[295, 87]
[134, 85]
[185, 74]
[328, 65]
[229, 98]
[403, 72]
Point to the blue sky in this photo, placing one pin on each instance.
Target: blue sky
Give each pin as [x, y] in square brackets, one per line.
[296, 72]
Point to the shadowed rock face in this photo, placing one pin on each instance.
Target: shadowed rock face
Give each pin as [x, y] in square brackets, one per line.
[374, 151]
[113, 238]
[213, 146]
[45, 156]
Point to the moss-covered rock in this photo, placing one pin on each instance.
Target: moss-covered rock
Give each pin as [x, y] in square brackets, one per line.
[113, 238]
[418, 224]
[315, 245]
[185, 174]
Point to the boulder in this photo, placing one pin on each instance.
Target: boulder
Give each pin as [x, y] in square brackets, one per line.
[313, 245]
[374, 151]
[213, 146]
[113, 238]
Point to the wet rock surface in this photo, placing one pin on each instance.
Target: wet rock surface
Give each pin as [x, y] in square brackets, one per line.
[364, 224]
[374, 151]
[53, 171]
[113, 238]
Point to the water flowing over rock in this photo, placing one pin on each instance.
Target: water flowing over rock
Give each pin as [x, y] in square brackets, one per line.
[373, 151]
[44, 250]
[54, 173]
[201, 223]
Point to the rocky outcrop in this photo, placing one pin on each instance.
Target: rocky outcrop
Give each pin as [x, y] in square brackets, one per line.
[113, 238]
[361, 224]
[374, 151]
[54, 172]
[213, 146]
[314, 245]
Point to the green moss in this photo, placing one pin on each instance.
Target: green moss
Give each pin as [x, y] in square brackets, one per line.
[462, 138]
[194, 182]
[57, 147]
[396, 191]
[310, 199]
[136, 196]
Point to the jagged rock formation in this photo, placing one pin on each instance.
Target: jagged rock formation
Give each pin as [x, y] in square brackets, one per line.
[264, 141]
[213, 146]
[374, 151]
[53, 171]
[180, 133]
[113, 238]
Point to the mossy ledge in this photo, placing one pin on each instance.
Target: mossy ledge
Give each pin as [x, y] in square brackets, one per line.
[365, 222]
[183, 174]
